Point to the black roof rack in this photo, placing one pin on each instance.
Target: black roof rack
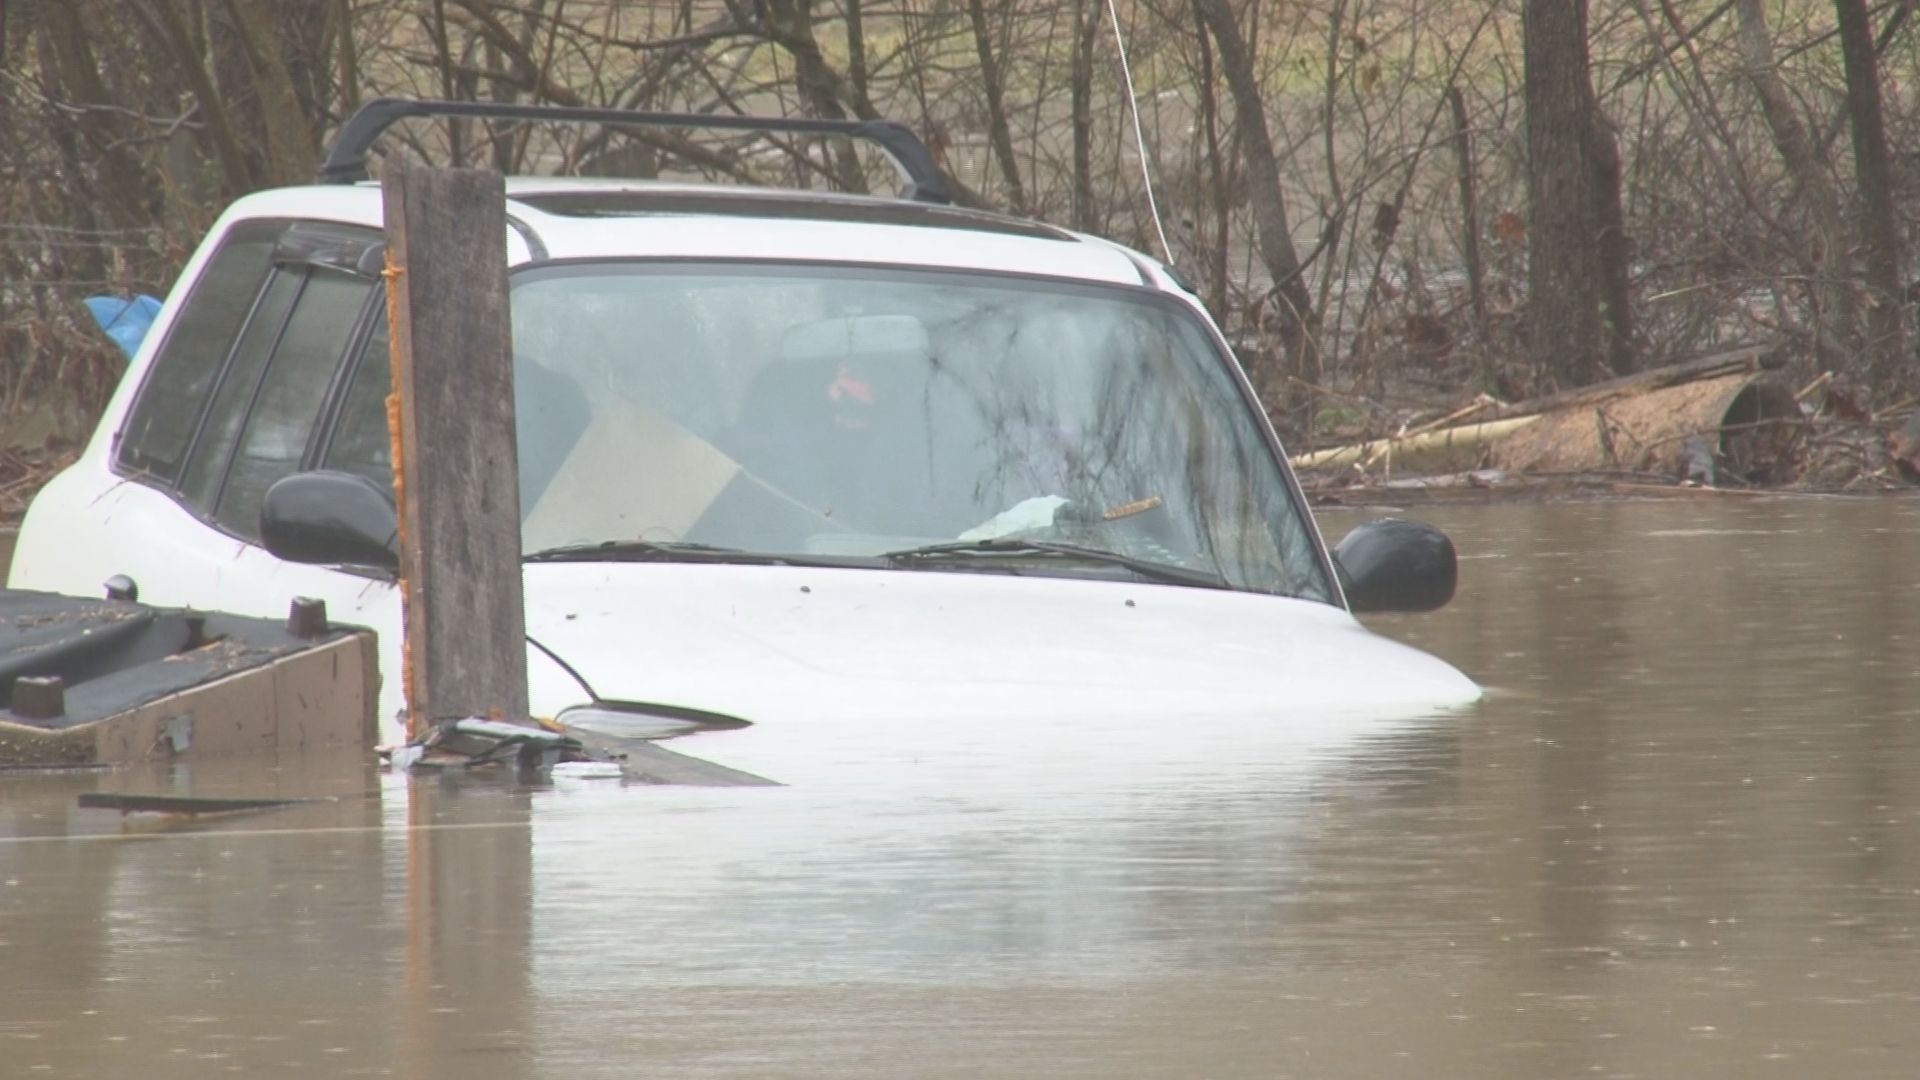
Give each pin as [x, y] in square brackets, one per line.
[346, 161]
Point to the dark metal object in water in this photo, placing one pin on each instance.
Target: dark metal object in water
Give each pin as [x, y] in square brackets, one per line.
[647, 762]
[86, 682]
[177, 804]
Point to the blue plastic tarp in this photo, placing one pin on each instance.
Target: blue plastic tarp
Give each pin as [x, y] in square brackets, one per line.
[125, 321]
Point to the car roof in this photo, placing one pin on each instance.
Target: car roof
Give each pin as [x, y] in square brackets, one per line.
[577, 218]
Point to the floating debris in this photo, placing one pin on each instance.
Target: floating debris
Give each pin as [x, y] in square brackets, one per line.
[190, 805]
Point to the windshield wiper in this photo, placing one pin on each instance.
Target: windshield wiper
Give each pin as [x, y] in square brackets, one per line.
[961, 551]
[662, 551]
[952, 553]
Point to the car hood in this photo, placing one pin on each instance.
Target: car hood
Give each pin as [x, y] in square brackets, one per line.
[885, 652]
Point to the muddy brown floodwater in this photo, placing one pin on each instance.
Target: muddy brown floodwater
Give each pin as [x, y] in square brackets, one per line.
[1681, 838]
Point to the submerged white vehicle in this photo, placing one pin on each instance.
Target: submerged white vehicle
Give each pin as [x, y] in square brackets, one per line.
[785, 457]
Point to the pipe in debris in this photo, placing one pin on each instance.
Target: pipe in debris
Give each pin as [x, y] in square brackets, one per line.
[1449, 449]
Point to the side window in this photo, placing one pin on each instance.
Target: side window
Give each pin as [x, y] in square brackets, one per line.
[361, 443]
[289, 397]
[158, 429]
[207, 467]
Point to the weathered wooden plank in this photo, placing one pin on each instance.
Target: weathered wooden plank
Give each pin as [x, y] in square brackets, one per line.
[456, 476]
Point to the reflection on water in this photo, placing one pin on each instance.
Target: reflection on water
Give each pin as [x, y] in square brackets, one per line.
[1681, 838]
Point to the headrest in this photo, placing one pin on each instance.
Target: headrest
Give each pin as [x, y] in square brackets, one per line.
[880, 337]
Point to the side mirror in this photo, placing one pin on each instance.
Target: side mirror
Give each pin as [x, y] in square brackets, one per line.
[331, 518]
[1396, 565]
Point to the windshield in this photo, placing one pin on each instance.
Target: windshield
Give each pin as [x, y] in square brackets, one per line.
[827, 412]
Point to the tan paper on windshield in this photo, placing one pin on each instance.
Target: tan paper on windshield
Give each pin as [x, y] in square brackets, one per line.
[634, 475]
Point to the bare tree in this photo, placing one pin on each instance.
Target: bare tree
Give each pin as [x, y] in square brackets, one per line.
[1086, 28]
[1702, 129]
[291, 151]
[1295, 311]
[1835, 323]
[73, 86]
[1886, 319]
[1576, 264]
[992, 83]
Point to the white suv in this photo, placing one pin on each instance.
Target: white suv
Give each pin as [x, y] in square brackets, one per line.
[783, 456]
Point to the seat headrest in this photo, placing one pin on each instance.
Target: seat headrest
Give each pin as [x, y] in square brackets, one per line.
[856, 336]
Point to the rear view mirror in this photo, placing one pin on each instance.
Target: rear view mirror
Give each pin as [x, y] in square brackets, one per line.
[331, 518]
[1396, 565]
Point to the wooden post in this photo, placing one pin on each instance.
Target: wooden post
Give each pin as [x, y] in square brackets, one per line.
[456, 478]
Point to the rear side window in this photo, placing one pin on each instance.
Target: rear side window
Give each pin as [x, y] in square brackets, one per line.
[361, 444]
[290, 396]
[207, 464]
[161, 425]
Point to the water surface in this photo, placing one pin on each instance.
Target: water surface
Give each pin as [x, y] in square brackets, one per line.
[1680, 838]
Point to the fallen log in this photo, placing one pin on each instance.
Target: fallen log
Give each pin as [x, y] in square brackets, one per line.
[1744, 424]
[1641, 422]
[1750, 359]
[1453, 449]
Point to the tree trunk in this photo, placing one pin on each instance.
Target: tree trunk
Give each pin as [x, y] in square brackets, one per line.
[1886, 323]
[1086, 23]
[1836, 319]
[792, 24]
[998, 132]
[1577, 316]
[443, 51]
[1216, 186]
[1612, 250]
[504, 137]
[77, 175]
[1299, 328]
[537, 79]
[347, 57]
[1470, 236]
[126, 192]
[856, 49]
[292, 157]
[236, 174]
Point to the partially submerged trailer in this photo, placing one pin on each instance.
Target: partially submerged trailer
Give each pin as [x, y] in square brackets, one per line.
[102, 682]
